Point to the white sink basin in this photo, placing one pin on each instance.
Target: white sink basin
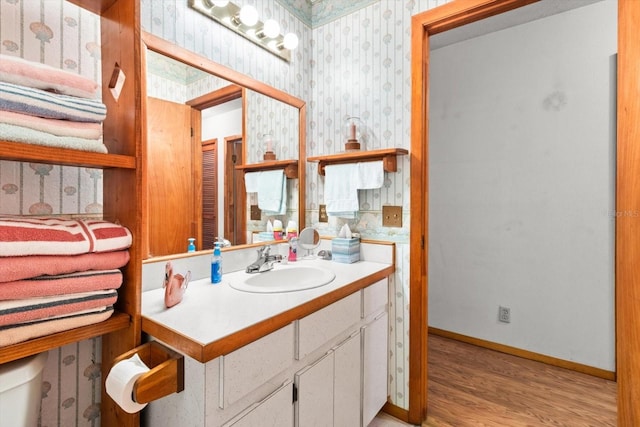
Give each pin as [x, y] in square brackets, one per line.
[284, 278]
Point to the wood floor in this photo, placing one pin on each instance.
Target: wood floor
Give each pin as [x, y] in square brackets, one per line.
[473, 386]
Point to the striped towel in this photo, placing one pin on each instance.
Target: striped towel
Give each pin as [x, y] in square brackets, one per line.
[24, 310]
[26, 267]
[13, 334]
[45, 286]
[55, 127]
[39, 103]
[41, 76]
[21, 236]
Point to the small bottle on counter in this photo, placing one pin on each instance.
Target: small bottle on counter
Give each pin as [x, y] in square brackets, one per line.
[192, 246]
[277, 230]
[216, 264]
[292, 237]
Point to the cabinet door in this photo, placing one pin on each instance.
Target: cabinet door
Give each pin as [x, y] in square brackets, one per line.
[274, 411]
[346, 399]
[314, 406]
[374, 367]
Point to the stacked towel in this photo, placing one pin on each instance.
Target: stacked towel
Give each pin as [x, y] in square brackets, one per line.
[43, 105]
[57, 274]
[271, 187]
[342, 182]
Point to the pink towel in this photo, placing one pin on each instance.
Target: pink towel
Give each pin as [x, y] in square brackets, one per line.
[26, 267]
[45, 77]
[44, 286]
[84, 130]
[18, 333]
[21, 236]
[24, 310]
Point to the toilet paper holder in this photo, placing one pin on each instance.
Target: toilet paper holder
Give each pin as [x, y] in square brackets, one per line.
[166, 371]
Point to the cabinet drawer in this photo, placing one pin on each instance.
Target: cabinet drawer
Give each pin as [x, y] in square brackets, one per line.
[254, 364]
[321, 327]
[375, 298]
[275, 410]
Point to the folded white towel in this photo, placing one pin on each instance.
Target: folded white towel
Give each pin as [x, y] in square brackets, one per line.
[370, 175]
[340, 190]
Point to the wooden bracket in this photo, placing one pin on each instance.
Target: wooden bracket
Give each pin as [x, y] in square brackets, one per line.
[389, 157]
[166, 374]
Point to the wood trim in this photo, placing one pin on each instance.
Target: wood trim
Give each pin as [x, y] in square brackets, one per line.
[173, 51]
[290, 167]
[217, 97]
[628, 215]
[627, 194]
[526, 354]
[396, 412]
[387, 155]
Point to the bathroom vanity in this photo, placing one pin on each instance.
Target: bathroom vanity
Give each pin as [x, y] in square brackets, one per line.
[311, 357]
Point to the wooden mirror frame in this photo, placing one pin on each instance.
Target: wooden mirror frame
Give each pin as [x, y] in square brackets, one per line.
[170, 50]
[627, 258]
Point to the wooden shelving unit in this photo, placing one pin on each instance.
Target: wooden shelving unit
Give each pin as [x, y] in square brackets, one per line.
[19, 152]
[124, 182]
[290, 167]
[116, 322]
[387, 155]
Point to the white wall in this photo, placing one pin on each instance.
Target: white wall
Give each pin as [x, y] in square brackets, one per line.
[522, 186]
[219, 122]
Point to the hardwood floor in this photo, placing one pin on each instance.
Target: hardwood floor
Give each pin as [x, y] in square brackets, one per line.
[474, 386]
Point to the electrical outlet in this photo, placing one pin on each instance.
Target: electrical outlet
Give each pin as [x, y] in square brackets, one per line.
[256, 213]
[322, 214]
[504, 314]
[392, 216]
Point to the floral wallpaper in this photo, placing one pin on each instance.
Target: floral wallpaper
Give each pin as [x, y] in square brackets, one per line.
[60, 34]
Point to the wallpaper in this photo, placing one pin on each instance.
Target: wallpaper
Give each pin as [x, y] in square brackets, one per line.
[357, 62]
[62, 35]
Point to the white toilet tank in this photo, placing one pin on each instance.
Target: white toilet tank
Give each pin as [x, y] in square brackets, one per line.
[21, 391]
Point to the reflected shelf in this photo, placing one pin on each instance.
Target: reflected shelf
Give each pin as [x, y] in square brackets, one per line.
[387, 155]
[290, 167]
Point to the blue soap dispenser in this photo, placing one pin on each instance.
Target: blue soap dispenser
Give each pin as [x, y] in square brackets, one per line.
[216, 264]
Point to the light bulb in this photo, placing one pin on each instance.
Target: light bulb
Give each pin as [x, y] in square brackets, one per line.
[271, 28]
[248, 15]
[290, 41]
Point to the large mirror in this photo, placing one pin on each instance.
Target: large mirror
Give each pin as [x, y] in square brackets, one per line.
[206, 126]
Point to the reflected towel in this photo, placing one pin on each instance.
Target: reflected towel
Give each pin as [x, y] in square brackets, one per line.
[271, 187]
[370, 175]
[341, 190]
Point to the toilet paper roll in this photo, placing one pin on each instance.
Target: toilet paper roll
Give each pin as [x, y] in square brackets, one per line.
[120, 381]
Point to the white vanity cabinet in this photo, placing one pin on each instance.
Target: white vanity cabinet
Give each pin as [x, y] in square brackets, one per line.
[328, 368]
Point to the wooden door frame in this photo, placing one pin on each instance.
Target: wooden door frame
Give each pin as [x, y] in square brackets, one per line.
[238, 180]
[627, 235]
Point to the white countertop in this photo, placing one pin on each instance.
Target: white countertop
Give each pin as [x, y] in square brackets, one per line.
[209, 313]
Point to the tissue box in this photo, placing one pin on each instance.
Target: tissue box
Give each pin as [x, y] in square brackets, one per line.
[345, 250]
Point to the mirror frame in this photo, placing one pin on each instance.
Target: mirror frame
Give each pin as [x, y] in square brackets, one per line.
[170, 50]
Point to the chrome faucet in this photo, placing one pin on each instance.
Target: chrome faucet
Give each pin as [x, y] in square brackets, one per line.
[264, 262]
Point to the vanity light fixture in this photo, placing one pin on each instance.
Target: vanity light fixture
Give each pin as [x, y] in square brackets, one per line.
[245, 21]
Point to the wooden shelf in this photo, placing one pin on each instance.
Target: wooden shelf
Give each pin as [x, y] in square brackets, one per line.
[290, 167]
[37, 345]
[387, 155]
[21, 152]
[95, 6]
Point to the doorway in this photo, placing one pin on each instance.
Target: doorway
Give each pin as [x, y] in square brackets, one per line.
[627, 200]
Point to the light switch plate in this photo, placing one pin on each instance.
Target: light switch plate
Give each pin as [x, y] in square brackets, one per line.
[256, 213]
[322, 214]
[392, 216]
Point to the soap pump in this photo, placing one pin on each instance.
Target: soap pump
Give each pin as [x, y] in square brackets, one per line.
[216, 264]
[192, 245]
